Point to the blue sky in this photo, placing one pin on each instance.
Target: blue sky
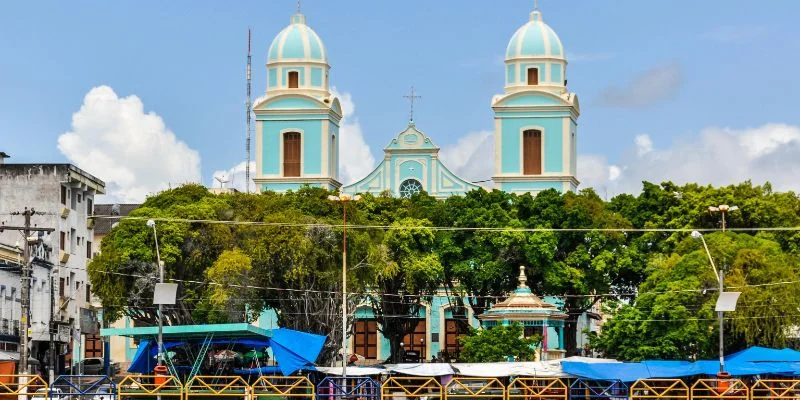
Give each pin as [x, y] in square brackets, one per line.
[660, 83]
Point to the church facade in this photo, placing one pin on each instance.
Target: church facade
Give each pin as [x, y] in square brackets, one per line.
[535, 124]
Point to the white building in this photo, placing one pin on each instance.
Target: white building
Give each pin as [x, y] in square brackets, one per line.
[63, 197]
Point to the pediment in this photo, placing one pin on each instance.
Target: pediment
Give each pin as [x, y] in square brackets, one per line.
[290, 102]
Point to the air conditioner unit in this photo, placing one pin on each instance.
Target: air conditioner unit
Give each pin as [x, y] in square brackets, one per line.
[64, 212]
[63, 256]
[89, 223]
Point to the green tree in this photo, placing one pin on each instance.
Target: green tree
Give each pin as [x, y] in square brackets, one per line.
[498, 343]
[674, 318]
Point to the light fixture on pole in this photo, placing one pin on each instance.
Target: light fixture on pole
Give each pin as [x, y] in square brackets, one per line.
[344, 198]
[725, 302]
[163, 294]
[723, 209]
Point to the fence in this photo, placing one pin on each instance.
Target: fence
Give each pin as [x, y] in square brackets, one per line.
[411, 388]
[78, 387]
[133, 387]
[714, 389]
[775, 389]
[349, 388]
[150, 386]
[659, 389]
[12, 386]
[537, 389]
[216, 387]
[475, 388]
[283, 387]
[591, 389]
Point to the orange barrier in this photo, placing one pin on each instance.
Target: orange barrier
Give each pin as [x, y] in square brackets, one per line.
[712, 389]
[774, 389]
[217, 386]
[150, 386]
[11, 386]
[475, 388]
[659, 389]
[411, 388]
[267, 387]
[537, 389]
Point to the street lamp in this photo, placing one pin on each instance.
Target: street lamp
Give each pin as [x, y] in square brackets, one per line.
[725, 302]
[152, 224]
[344, 198]
[724, 209]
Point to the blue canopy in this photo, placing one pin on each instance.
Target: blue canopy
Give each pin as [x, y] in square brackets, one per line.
[763, 354]
[292, 349]
[752, 361]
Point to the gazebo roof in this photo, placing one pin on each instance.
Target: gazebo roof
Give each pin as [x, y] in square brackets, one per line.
[522, 305]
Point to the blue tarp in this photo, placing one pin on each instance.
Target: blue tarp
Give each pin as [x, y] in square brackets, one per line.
[752, 361]
[292, 349]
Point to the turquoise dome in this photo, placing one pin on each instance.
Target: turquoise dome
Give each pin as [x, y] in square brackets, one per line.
[297, 42]
[535, 39]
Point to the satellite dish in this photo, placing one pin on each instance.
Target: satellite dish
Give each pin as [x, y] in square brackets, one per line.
[115, 209]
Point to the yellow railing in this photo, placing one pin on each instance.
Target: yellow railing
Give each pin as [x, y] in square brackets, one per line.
[729, 389]
[411, 388]
[537, 389]
[475, 388]
[283, 386]
[217, 386]
[13, 385]
[659, 389]
[775, 389]
[151, 386]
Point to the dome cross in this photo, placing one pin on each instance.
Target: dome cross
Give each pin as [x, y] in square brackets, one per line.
[411, 98]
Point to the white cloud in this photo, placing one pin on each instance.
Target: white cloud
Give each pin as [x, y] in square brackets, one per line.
[651, 87]
[132, 151]
[355, 157]
[769, 153]
[471, 157]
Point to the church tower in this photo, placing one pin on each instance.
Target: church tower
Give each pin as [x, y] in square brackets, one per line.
[297, 122]
[536, 118]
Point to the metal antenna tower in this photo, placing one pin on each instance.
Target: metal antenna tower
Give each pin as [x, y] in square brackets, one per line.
[249, 106]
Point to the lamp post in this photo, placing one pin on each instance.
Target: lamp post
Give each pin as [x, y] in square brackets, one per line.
[160, 357]
[344, 198]
[723, 209]
[719, 276]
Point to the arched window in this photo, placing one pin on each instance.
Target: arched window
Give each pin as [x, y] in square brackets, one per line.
[291, 154]
[532, 152]
[454, 329]
[410, 187]
[533, 76]
[334, 156]
[294, 79]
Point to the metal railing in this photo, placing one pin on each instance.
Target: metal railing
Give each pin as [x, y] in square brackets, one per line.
[77, 387]
[775, 389]
[594, 389]
[349, 388]
[659, 389]
[18, 386]
[284, 387]
[713, 389]
[216, 387]
[475, 388]
[411, 388]
[537, 389]
[150, 386]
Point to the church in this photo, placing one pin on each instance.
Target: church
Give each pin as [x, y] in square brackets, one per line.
[535, 124]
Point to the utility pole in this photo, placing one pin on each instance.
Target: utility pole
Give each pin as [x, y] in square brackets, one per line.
[51, 376]
[25, 280]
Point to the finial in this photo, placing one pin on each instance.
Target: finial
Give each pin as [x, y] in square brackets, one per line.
[535, 5]
[523, 279]
[298, 6]
[411, 98]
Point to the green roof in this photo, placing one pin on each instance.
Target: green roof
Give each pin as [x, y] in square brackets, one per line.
[237, 331]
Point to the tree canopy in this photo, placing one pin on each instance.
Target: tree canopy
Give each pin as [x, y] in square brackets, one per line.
[236, 255]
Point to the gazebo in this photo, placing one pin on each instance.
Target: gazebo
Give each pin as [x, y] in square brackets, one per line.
[537, 316]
